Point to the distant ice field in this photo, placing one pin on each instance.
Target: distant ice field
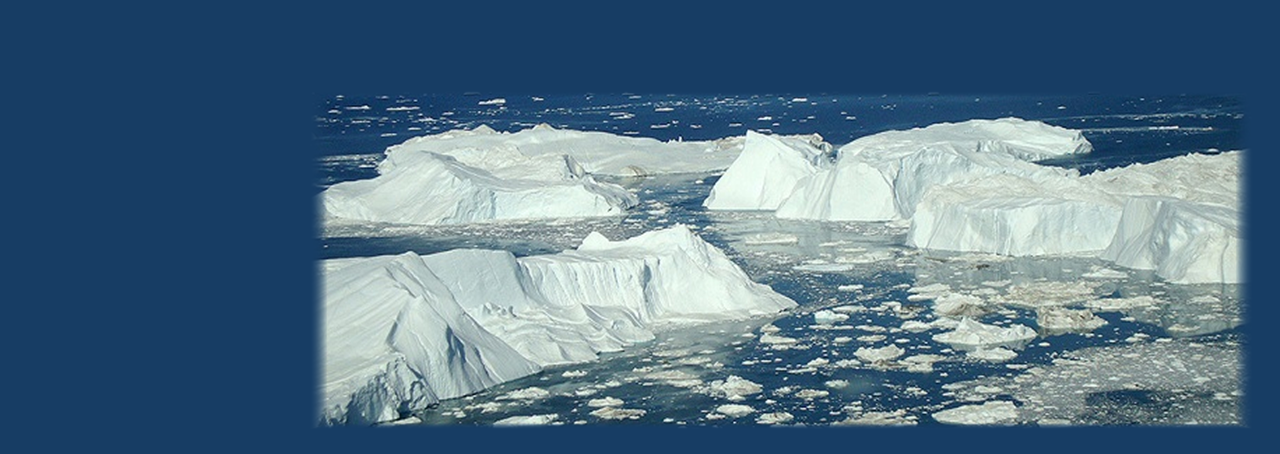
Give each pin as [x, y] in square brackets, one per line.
[864, 345]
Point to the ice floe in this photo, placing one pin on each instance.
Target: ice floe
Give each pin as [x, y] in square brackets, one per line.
[534, 420]
[1057, 319]
[989, 413]
[970, 334]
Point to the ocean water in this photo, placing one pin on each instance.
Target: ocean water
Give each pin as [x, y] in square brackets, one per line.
[1177, 362]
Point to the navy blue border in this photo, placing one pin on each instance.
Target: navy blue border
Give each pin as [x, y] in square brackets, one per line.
[167, 149]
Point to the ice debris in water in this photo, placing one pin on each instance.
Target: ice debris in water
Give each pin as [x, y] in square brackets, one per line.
[973, 334]
[733, 388]
[994, 354]
[534, 420]
[780, 417]
[989, 413]
[879, 355]
[828, 317]
[605, 402]
[618, 413]
[1057, 319]
[735, 410]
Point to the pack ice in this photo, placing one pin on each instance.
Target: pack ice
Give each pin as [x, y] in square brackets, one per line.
[402, 332]
[881, 177]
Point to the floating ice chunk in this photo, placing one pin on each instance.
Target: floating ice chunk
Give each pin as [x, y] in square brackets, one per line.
[828, 317]
[493, 102]
[771, 238]
[960, 305]
[618, 413]
[768, 338]
[879, 418]
[916, 326]
[975, 335]
[1057, 319]
[605, 402]
[876, 355]
[849, 309]
[780, 417]
[530, 393]
[574, 374]
[994, 354]
[836, 384]
[534, 420]
[849, 288]
[810, 394]
[732, 388]
[990, 413]
[735, 410]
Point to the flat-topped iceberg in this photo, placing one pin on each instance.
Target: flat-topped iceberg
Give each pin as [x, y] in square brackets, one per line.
[402, 332]
[474, 186]
[1178, 216]
[599, 153]
[882, 176]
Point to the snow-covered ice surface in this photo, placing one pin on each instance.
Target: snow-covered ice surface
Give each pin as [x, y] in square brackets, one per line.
[1176, 349]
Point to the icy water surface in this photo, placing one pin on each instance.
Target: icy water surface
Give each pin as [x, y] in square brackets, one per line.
[1163, 353]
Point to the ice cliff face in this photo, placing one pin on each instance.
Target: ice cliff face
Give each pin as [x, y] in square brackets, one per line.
[1179, 217]
[973, 186]
[765, 173]
[402, 332]
[881, 177]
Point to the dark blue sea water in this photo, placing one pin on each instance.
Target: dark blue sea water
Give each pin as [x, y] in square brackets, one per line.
[1173, 363]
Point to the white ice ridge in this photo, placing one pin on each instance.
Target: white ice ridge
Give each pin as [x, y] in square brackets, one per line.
[474, 185]
[599, 153]
[402, 332]
[1179, 216]
[766, 172]
[882, 176]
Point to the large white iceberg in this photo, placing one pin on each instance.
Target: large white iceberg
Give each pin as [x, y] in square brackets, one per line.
[474, 186]
[599, 153]
[402, 332]
[882, 176]
[765, 173]
[1178, 216]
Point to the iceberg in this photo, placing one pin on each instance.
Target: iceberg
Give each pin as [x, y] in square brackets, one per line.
[883, 176]
[1178, 216]
[973, 335]
[429, 188]
[599, 153]
[402, 332]
[766, 171]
